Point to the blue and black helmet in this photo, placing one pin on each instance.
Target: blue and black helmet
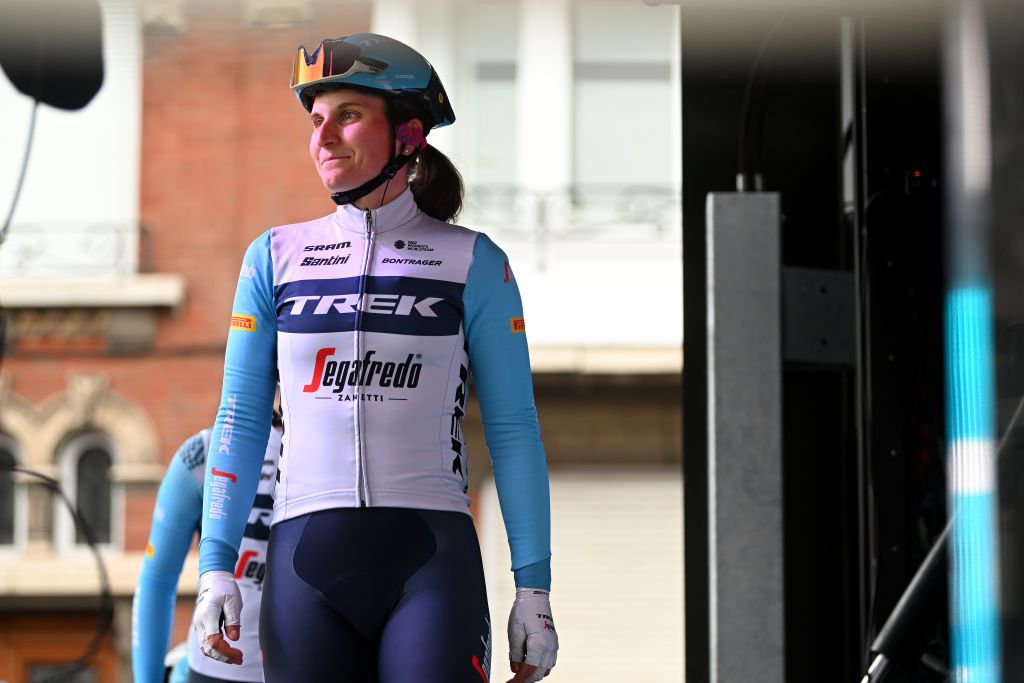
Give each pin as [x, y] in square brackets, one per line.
[374, 63]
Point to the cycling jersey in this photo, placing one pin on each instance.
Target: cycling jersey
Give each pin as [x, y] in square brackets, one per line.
[176, 519]
[375, 320]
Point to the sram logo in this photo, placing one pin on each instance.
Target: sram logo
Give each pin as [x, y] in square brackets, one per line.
[364, 372]
[386, 304]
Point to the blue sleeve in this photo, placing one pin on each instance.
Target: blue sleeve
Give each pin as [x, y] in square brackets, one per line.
[175, 518]
[500, 363]
[239, 437]
[180, 672]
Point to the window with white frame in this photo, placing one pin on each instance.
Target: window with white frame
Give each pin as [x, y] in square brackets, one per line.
[86, 460]
[12, 513]
[489, 31]
[625, 62]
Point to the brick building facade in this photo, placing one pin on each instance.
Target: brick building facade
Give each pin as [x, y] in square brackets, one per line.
[138, 361]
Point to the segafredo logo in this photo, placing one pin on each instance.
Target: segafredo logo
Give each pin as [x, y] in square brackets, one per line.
[367, 371]
[220, 494]
[250, 566]
[386, 304]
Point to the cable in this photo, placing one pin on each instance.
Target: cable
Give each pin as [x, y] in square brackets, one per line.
[751, 95]
[907, 613]
[21, 176]
[106, 615]
[10, 213]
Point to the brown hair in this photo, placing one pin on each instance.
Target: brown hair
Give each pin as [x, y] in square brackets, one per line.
[435, 182]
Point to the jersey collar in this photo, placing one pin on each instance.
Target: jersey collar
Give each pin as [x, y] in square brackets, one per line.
[394, 214]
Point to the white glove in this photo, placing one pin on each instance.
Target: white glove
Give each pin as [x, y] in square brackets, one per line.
[218, 595]
[531, 632]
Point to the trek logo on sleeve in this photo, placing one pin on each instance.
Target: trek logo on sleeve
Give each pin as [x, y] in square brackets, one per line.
[517, 325]
[246, 323]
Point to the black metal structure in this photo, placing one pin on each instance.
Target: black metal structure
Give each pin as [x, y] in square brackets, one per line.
[841, 116]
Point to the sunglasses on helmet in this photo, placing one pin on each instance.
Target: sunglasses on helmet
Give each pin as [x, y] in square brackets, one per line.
[332, 59]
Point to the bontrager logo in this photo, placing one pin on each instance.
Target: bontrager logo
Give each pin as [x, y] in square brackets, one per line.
[386, 304]
[411, 262]
[327, 247]
[364, 372]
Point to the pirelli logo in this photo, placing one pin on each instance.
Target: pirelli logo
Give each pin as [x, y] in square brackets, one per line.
[518, 325]
[246, 323]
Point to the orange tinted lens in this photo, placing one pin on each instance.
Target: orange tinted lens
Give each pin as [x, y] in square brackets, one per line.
[302, 71]
[332, 58]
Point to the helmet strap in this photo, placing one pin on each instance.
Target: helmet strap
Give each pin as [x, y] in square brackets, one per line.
[389, 172]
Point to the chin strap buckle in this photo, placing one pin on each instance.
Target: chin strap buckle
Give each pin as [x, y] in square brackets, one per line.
[389, 172]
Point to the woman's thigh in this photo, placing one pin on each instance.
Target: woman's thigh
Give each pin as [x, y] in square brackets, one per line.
[302, 637]
[440, 631]
[354, 592]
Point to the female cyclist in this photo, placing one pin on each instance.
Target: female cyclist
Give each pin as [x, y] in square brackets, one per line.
[176, 516]
[373, 318]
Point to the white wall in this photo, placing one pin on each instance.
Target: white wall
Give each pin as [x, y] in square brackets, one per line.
[79, 209]
[617, 574]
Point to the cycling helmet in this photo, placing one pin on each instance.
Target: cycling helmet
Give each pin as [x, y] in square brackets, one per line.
[374, 63]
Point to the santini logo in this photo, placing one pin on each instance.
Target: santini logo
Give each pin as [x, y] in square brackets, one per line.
[332, 261]
[387, 304]
[362, 373]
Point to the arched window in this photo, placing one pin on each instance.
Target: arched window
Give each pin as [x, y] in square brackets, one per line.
[13, 502]
[94, 494]
[86, 461]
[8, 493]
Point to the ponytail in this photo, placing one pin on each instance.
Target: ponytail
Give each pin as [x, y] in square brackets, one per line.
[435, 182]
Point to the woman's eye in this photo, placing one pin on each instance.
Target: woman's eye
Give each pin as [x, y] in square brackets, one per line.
[348, 116]
[317, 122]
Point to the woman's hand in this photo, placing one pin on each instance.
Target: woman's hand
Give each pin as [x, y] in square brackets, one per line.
[218, 597]
[532, 639]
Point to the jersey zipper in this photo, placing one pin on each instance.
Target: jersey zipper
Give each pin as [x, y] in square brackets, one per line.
[362, 486]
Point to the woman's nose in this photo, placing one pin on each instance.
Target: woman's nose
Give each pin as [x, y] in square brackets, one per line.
[326, 134]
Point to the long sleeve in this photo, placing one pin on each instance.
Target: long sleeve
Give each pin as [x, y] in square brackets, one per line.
[175, 519]
[240, 434]
[500, 364]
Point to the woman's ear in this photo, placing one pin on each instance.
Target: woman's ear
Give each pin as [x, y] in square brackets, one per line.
[410, 136]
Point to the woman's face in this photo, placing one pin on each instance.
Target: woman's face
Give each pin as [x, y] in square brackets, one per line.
[352, 139]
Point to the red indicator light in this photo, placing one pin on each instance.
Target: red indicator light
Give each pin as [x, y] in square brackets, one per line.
[917, 174]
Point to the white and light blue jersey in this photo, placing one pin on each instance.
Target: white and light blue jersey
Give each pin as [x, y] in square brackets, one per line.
[176, 519]
[374, 322]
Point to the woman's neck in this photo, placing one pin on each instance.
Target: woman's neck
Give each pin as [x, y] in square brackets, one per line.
[383, 194]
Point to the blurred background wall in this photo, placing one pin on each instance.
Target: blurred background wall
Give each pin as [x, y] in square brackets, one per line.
[119, 271]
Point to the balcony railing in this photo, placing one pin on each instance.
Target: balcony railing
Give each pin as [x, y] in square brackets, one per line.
[70, 250]
[604, 213]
